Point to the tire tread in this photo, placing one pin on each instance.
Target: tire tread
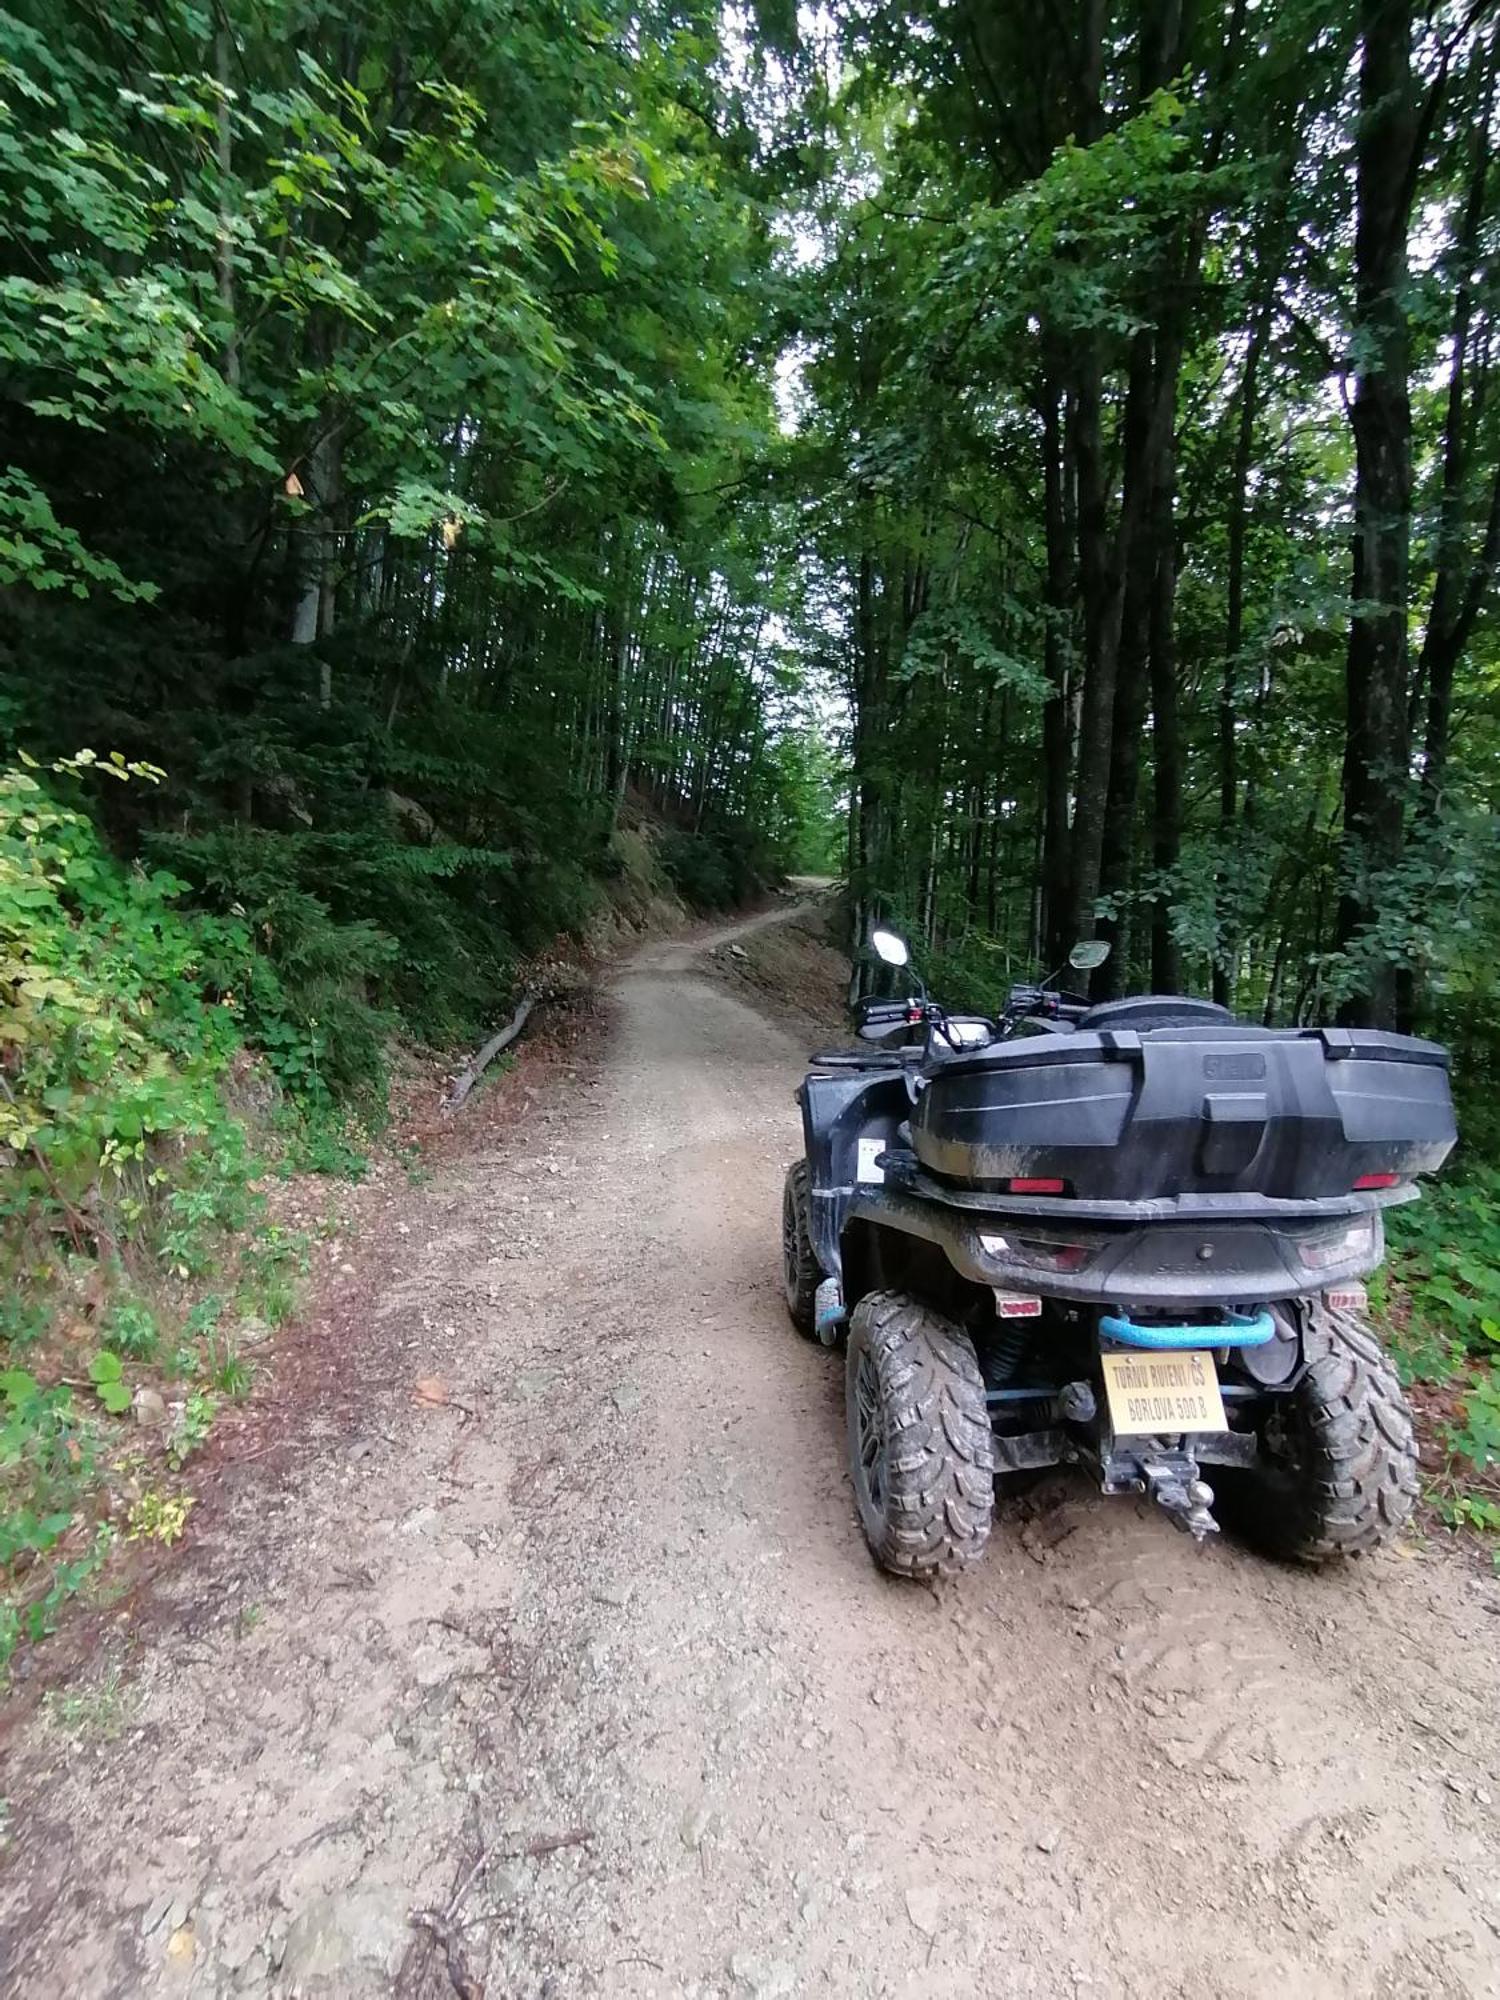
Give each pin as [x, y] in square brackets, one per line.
[941, 1477]
[1359, 1483]
[800, 1273]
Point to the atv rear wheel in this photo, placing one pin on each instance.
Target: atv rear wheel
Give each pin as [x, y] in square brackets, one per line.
[1337, 1474]
[921, 1452]
[799, 1267]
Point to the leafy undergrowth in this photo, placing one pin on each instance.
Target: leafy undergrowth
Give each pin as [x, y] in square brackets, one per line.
[139, 1263]
[1440, 1298]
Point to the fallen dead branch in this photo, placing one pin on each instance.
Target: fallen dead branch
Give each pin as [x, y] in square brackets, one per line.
[552, 1843]
[467, 1079]
[449, 1940]
[446, 1932]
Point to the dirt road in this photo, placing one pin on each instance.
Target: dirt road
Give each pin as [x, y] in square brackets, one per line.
[589, 1661]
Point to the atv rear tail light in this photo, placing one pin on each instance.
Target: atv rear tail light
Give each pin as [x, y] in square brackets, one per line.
[1037, 1187]
[1031, 1251]
[1339, 1245]
[1017, 1305]
[1346, 1298]
[1368, 1181]
[1053, 1256]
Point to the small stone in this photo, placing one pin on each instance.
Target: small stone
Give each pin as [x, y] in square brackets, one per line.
[763, 1978]
[1481, 1796]
[155, 1914]
[149, 1407]
[1454, 1784]
[254, 1974]
[924, 1905]
[421, 1522]
[181, 1944]
[363, 1449]
[431, 1666]
[239, 1944]
[1047, 1842]
[697, 1823]
[252, 1331]
[507, 1881]
[617, 1594]
[626, 1398]
[362, 1927]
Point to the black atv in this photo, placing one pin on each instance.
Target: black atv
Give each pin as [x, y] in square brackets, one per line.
[1128, 1236]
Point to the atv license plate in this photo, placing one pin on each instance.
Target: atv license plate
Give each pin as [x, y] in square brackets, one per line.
[1154, 1392]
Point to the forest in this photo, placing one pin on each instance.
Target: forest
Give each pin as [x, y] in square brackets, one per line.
[1040, 462]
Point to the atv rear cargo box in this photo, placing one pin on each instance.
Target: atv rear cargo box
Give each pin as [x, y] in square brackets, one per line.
[1138, 1115]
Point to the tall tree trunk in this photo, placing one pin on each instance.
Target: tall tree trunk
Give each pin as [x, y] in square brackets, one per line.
[1117, 863]
[1237, 529]
[1462, 579]
[1377, 749]
[1166, 798]
[1057, 726]
[229, 359]
[1097, 588]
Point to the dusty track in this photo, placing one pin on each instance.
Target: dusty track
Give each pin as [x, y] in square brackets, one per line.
[608, 1631]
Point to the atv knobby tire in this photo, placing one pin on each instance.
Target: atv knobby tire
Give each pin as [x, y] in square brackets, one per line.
[921, 1452]
[799, 1267]
[1337, 1474]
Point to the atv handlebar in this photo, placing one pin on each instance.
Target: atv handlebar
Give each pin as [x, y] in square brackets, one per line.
[1042, 1003]
[918, 1020]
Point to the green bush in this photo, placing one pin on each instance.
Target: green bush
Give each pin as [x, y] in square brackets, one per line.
[697, 869]
[115, 1045]
[123, 1166]
[720, 867]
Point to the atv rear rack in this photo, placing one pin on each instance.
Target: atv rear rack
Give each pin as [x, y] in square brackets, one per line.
[901, 1169]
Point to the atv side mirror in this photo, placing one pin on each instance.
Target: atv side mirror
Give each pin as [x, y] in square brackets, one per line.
[890, 948]
[1088, 954]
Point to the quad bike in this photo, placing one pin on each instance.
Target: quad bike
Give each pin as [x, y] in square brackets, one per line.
[1129, 1237]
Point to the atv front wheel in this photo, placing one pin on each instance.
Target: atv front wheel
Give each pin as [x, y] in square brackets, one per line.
[1337, 1472]
[799, 1267]
[921, 1452]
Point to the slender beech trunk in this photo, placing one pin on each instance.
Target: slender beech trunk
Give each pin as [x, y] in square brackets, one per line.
[1377, 750]
[1237, 528]
[1057, 721]
[1463, 575]
[1166, 802]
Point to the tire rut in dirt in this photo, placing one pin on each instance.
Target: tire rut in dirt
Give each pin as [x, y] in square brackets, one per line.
[922, 1455]
[1345, 1482]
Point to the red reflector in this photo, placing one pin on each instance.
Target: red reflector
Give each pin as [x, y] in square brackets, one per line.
[1037, 1187]
[1375, 1181]
[1347, 1298]
[1013, 1305]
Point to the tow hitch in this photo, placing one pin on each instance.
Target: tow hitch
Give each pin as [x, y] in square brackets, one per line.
[1168, 1474]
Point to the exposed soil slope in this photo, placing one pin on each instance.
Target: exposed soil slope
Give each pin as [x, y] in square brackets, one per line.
[579, 1651]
